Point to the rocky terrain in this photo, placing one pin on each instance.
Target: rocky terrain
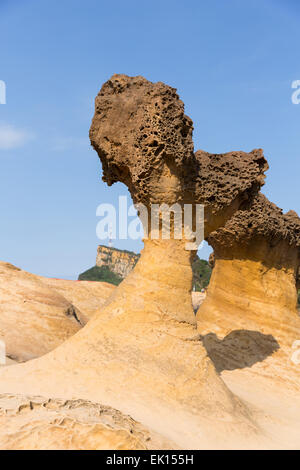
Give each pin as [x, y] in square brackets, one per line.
[142, 372]
[32, 423]
[33, 317]
[87, 297]
[37, 314]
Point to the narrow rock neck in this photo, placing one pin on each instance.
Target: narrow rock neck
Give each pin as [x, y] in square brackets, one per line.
[161, 282]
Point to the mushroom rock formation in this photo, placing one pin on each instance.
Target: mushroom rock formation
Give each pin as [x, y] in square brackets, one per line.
[142, 354]
[248, 320]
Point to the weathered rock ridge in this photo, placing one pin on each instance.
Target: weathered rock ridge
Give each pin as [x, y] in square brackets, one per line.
[37, 314]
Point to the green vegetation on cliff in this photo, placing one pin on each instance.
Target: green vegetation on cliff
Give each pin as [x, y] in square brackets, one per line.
[201, 274]
[103, 274]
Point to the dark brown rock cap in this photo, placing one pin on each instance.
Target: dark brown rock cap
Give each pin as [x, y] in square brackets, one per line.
[144, 140]
[259, 218]
[138, 129]
[221, 178]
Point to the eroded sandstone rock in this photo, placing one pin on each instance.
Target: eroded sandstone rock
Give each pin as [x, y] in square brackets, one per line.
[37, 314]
[33, 317]
[142, 354]
[249, 318]
[142, 137]
[225, 181]
[144, 140]
[87, 296]
[37, 423]
[120, 262]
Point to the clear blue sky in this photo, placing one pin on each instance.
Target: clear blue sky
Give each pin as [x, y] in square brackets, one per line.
[233, 63]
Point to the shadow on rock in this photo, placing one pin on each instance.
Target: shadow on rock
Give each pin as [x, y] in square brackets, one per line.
[239, 349]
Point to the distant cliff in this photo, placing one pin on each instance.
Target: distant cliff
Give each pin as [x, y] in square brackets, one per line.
[120, 262]
[113, 265]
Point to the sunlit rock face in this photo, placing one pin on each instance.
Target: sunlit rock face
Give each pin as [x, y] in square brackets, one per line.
[249, 317]
[37, 314]
[142, 354]
[34, 318]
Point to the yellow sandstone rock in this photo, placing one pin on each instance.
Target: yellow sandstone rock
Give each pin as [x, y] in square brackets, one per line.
[34, 423]
[33, 317]
[249, 321]
[37, 314]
